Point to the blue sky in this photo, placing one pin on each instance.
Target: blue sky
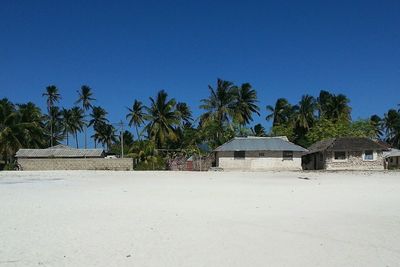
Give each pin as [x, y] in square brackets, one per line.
[131, 49]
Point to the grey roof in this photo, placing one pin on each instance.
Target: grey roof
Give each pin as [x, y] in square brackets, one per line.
[260, 144]
[60, 151]
[346, 143]
[392, 153]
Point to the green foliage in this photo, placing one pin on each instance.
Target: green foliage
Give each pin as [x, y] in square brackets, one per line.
[258, 130]
[325, 128]
[283, 130]
[162, 117]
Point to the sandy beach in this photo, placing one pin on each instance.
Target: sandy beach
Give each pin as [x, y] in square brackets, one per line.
[84, 218]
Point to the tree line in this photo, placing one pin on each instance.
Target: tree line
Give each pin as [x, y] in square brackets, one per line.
[164, 125]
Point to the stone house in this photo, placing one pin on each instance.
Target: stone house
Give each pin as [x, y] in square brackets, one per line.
[63, 157]
[345, 153]
[259, 154]
[392, 158]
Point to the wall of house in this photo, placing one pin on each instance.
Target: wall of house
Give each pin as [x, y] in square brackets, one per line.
[314, 161]
[354, 161]
[272, 160]
[76, 164]
[393, 162]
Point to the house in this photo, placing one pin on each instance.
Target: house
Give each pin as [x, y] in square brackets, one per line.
[392, 158]
[63, 157]
[345, 153]
[259, 153]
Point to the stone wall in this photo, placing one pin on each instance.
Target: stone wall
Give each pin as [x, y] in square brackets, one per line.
[354, 161]
[125, 164]
[393, 162]
[270, 161]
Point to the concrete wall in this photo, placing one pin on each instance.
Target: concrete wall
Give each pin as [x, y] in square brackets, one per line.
[76, 164]
[354, 161]
[271, 161]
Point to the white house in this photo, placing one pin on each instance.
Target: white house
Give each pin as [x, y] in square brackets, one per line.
[259, 153]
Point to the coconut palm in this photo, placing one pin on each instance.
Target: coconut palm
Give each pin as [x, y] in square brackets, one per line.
[98, 117]
[184, 113]
[258, 130]
[304, 117]
[54, 121]
[77, 122]
[105, 134]
[31, 114]
[136, 116]
[245, 104]
[17, 130]
[391, 123]
[68, 123]
[143, 151]
[281, 113]
[85, 98]
[162, 117]
[339, 108]
[333, 107]
[52, 96]
[220, 107]
[376, 122]
[323, 103]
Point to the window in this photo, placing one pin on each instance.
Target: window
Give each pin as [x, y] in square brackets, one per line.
[368, 155]
[261, 154]
[340, 155]
[287, 155]
[239, 154]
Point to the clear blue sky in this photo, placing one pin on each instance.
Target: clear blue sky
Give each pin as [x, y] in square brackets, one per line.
[131, 49]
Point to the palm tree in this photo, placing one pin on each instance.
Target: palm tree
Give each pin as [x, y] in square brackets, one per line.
[98, 116]
[259, 130]
[54, 121]
[333, 107]
[162, 117]
[391, 123]
[68, 123]
[105, 134]
[281, 113]
[184, 113]
[304, 117]
[17, 131]
[85, 98]
[220, 105]
[323, 103]
[136, 116]
[376, 123]
[340, 108]
[31, 114]
[245, 104]
[77, 122]
[53, 97]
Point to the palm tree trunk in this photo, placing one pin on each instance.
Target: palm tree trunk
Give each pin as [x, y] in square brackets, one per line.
[137, 132]
[76, 139]
[67, 139]
[85, 136]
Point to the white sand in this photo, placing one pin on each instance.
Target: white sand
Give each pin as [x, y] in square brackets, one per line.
[199, 219]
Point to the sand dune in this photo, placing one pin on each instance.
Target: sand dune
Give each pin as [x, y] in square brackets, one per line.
[199, 219]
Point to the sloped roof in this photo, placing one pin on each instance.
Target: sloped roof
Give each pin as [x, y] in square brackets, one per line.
[345, 143]
[392, 153]
[60, 151]
[259, 144]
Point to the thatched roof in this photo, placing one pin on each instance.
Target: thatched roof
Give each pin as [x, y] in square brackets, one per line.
[260, 144]
[60, 151]
[346, 143]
